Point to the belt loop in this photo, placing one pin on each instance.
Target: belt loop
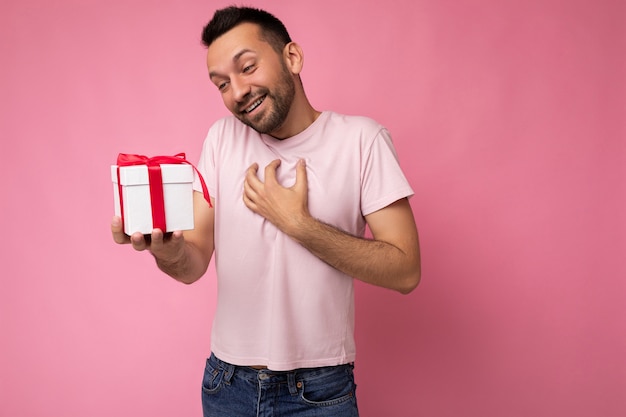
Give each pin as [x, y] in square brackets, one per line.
[229, 370]
[291, 383]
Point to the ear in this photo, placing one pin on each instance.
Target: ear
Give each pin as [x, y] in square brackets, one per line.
[294, 57]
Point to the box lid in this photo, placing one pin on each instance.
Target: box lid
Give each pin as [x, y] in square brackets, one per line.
[138, 174]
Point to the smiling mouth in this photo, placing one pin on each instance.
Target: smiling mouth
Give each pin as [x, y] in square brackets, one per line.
[254, 105]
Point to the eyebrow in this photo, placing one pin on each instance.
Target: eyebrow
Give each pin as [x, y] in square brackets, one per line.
[236, 58]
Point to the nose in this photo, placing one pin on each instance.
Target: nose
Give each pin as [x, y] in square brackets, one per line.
[239, 88]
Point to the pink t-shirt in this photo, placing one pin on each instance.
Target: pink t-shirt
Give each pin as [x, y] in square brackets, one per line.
[278, 305]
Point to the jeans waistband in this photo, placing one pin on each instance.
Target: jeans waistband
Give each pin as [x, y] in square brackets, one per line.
[270, 376]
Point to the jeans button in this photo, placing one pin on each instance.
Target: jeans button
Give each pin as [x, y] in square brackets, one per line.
[263, 377]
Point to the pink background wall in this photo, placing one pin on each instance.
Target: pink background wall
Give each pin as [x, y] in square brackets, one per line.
[509, 120]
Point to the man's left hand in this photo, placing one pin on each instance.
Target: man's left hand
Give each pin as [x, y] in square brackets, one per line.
[284, 207]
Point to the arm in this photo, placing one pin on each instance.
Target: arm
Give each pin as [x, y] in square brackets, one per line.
[391, 259]
[184, 256]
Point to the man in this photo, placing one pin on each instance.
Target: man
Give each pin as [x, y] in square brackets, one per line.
[294, 189]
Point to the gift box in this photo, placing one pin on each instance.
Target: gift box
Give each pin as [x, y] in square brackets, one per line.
[150, 194]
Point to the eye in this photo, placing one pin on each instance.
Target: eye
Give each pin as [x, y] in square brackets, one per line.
[221, 86]
[248, 68]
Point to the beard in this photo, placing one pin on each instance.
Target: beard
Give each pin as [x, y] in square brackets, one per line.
[273, 117]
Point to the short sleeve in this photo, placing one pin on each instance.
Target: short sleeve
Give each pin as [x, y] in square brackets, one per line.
[206, 167]
[382, 179]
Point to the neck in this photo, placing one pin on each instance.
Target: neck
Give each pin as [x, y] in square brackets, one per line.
[301, 115]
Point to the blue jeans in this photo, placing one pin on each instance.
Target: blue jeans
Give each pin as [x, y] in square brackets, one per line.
[240, 391]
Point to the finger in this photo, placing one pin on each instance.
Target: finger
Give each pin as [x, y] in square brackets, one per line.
[157, 239]
[248, 190]
[252, 170]
[270, 171]
[301, 176]
[138, 241]
[251, 178]
[177, 235]
[249, 203]
[167, 246]
[117, 231]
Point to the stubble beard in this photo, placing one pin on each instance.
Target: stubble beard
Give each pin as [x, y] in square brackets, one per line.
[281, 100]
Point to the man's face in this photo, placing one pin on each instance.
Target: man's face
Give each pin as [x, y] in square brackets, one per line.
[256, 84]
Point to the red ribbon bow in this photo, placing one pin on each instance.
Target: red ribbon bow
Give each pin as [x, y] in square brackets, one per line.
[155, 180]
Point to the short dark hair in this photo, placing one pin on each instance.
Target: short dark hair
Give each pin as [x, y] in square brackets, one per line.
[273, 31]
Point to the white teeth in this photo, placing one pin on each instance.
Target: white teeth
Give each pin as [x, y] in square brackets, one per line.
[254, 105]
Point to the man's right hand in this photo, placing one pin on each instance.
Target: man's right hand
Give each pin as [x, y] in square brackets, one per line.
[168, 248]
[184, 257]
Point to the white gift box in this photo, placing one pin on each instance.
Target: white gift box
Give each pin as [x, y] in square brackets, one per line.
[136, 199]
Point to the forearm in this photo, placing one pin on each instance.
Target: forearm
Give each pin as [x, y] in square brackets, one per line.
[373, 261]
[391, 259]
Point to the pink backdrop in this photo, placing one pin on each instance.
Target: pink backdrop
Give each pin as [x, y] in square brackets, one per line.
[509, 120]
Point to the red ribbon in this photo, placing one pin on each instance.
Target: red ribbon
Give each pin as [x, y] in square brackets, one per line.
[155, 180]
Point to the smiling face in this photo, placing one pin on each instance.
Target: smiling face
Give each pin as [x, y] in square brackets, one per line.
[255, 82]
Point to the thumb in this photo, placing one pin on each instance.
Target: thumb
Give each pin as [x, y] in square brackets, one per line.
[117, 230]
